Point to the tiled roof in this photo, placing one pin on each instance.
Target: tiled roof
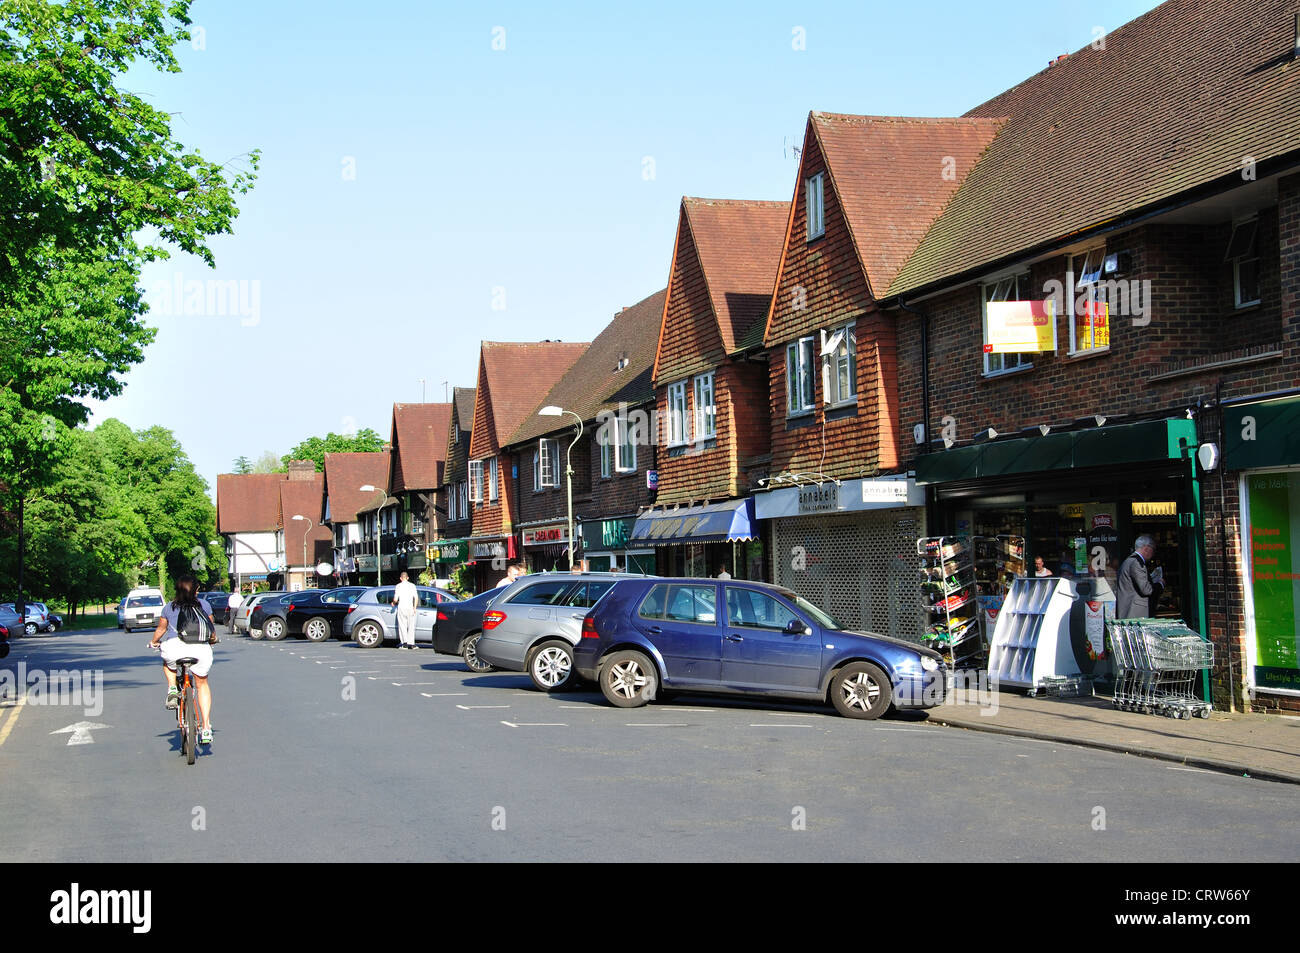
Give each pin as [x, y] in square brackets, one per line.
[463, 398]
[248, 502]
[739, 245]
[1176, 99]
[304, 498]
[594, 382]
[419, 438]
[345, 474]
[893, 175]
[513, 378]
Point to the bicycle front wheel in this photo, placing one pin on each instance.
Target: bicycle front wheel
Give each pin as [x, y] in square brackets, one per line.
[190, 738]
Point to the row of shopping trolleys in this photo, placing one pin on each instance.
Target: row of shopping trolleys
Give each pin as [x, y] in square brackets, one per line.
[1157, 663]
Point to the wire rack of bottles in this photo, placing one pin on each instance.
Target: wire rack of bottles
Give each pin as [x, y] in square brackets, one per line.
[949, 596]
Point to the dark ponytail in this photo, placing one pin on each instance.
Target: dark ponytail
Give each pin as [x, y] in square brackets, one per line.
[187, 588]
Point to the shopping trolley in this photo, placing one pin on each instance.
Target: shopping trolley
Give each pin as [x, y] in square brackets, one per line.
[1156, 664]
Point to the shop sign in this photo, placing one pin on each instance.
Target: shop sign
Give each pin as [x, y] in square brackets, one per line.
[488, 550]
[652, 479]
[1092, 326]
[1168, 508]
[819, 499]
[1274, 509]
[884, 491]
[366, 563]
[447, 551]
[1021, 327]
[614, 534]
[544, 535]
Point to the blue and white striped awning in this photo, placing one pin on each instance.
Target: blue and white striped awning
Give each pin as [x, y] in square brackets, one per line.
[727, 522]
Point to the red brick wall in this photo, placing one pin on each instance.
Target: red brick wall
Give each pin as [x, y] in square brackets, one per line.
[712, 470]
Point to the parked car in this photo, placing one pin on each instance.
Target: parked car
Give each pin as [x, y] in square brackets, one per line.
[143, 609]
[536, 621]
[315, 614]
[267, 620]
[219, 602]
[35, 619]
[245, 611]
[9, 621]
[372, 621]
[746, 638]
[121, 613]
[459, 626]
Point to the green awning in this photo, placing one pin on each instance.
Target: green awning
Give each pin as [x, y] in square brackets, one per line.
[1150, 441]
[1264, 434]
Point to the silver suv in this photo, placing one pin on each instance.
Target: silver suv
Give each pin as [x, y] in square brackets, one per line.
[535, 623]
[371, 619]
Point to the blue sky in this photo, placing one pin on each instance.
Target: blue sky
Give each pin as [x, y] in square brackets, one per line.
[422, 190]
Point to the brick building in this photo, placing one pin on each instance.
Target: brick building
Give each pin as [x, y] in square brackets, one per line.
[353, 514]
[710, 383]
[416, 464]
[609, 390]
[449, 548]
[304, 541]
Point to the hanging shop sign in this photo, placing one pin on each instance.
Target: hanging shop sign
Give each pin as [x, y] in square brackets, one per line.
[823, 498]
[1021, 327]
[545, 535]
[1274, 510]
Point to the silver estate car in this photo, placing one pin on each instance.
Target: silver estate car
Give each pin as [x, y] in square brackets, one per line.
[371, 620]
[245, 610]
[533, 626]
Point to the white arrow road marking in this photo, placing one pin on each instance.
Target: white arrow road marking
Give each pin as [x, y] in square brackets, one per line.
[80, 732]
[443, 694]
[472, 707]
[535, 724]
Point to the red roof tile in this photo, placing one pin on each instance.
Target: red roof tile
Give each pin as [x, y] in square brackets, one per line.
[513, 378]
[1176, 99]
[304, 497]
[345, 474]
[248, 502]
[419, 441]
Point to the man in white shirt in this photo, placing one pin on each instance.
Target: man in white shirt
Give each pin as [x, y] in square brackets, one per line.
[405, 600]
[232, 607]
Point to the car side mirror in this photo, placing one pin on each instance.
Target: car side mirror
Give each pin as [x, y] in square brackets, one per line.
[795, 627]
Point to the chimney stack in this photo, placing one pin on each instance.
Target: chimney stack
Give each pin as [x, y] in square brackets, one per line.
[301, 469]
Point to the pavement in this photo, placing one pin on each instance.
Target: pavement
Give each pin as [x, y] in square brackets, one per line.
[1262, 746]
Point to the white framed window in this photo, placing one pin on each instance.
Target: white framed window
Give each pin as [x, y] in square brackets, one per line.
[706, 418]
[677, 418]
[799, 370]
[814, 195]
[492, 480]
[455, 431]
[1243, 252]
[625, 449]
[1011, 288]
[1084, 336]
[464, 499]
[840, 364]
[546, 464]
[607, 457]
[476, 481]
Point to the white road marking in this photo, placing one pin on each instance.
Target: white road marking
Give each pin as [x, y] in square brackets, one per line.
[80, 732]
[780, 725]
[536, 724]
[924, 731]
[656, 724]
[369, 671]
[401, 684]
[442, 694]
[472, 707]
[1171, 768]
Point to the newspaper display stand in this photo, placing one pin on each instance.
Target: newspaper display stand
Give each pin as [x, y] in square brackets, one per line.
[951, 624]
[1157, 662]
[1031, 641]
[998, 561]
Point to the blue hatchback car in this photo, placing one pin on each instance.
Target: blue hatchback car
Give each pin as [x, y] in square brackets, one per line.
[746, 638]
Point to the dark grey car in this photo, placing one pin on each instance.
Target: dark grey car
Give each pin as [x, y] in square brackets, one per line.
[533, 626]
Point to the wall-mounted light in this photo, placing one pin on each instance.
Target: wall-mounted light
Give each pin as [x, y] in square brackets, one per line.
[1044, 429]
[1100, 418]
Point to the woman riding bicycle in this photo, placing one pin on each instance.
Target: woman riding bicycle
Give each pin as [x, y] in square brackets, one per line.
[173, 648]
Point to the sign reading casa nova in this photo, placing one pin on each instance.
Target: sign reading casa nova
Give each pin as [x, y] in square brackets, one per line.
[819, 499]
[546, 534]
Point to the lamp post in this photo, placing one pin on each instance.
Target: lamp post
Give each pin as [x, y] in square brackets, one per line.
[553, 411]
[310, 526]
[379, 539]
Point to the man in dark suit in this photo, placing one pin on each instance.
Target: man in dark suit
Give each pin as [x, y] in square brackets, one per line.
[1137, 593]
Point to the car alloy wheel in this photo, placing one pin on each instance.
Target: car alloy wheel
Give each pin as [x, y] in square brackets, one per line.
[469, 652]
[369, 635]
[273, 629]
[628, 679]
[316, 630]
[861, 690]
[29, 628]
[550, 666]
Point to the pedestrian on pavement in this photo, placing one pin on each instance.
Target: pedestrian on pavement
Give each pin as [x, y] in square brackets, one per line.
[722, 573]
[405, 600]
[1139, 591]
[513, 572]
[236, 600]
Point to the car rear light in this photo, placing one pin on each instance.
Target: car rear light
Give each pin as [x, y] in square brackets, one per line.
[351, 609]
[492, 619]
[442, 616]
[290, 609]
[589, 628]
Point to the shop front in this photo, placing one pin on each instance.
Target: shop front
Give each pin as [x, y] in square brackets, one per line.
[849, 547]
[489, 557]
[546, 547]
[1071, 504]
[702, 540]
[444, 555]
[1262, 443]
[607, 546]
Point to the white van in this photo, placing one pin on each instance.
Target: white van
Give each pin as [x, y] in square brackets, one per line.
[143, 609]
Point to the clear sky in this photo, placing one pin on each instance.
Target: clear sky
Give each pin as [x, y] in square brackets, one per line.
[433, 177]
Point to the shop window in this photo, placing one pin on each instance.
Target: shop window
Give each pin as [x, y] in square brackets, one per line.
[1089, 331]
[677, 418]
[705, 416]
[840, 364]
[1011, 288]
[799, 377]
[814, 195]
[1243, 252]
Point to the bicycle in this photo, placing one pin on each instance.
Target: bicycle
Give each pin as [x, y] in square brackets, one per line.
[187, 708]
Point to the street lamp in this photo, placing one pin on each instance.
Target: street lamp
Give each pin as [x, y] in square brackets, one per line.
[310, 526]
[379, 540]
[551, 410]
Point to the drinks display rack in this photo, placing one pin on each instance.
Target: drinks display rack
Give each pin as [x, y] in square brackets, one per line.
[949, 593]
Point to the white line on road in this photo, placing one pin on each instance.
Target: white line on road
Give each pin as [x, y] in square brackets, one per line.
[400, 684]
[924, 731]
[780, 725]
[656, 724]
[1191, 770]
[369, 671]
[442, 694]
[472, 707]
[536, 724]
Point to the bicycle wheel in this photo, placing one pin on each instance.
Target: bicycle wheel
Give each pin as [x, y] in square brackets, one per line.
[191, 733]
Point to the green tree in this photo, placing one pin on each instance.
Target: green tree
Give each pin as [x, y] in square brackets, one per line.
[315, 448]
[242, 465]
[268, 462]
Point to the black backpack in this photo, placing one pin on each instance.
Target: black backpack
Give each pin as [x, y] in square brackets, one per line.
[192, 625]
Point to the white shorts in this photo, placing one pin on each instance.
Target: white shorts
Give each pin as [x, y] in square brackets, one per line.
[174, 648]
